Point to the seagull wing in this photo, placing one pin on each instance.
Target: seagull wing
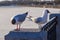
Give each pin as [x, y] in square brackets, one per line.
[20, 17]
[38, 20]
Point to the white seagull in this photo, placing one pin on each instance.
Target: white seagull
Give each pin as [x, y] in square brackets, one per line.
[18, 20]
[40, 20]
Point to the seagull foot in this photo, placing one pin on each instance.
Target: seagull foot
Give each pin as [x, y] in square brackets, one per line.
[17, 29]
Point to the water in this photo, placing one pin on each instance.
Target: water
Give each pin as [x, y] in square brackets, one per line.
[8, 11]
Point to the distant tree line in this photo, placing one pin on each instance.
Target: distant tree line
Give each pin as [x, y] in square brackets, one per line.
[30, 3]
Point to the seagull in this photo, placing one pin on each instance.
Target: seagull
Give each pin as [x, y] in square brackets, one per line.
[19, 19]
[40, 20]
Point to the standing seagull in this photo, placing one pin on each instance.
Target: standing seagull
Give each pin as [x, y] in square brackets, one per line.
[19, 19]
[40, 20]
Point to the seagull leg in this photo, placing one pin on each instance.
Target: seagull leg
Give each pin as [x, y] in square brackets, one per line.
[40, 26]
[17, 27]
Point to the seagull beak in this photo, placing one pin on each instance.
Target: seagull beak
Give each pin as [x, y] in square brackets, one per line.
[29, 17]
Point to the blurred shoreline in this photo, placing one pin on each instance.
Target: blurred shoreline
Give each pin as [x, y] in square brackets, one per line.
[42, 4]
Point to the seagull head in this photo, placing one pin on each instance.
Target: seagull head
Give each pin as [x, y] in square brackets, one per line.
[26, 13]
[47, 11]
[13, 21]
